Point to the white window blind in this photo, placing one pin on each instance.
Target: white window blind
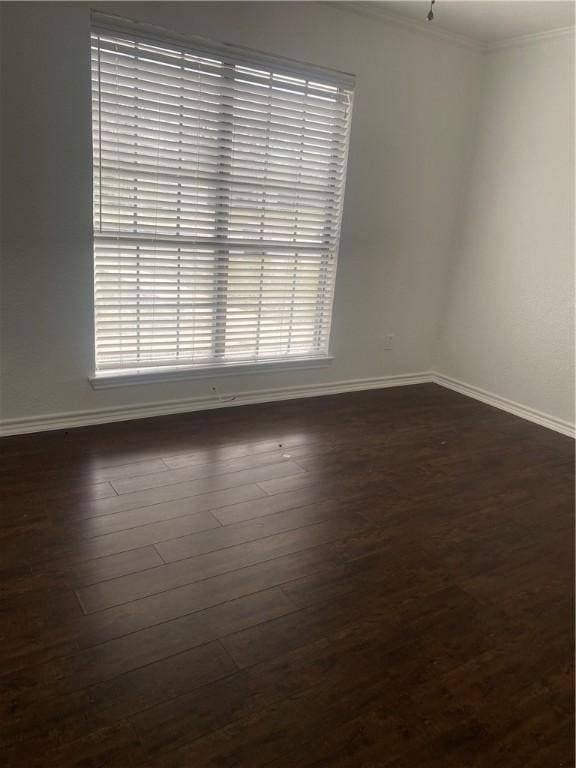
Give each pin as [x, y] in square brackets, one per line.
[218, 186]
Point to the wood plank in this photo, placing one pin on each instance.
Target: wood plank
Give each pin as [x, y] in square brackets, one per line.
[344, 656]
[191, 488]
[241, 511]
[25, 495]
[250, 530]
[114, 747]
[240, 450]
[170, 477]
[85, 572]
[122, 471]
[126, 618]
[118, 697]
[147, 533]
[127, 588]
[137, 650]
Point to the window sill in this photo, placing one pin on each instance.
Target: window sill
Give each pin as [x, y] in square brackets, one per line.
[107, 380]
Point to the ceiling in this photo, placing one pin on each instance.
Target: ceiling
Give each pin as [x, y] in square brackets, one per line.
[486, 21]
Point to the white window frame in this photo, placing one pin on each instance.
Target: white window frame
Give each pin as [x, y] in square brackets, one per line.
[102, 378]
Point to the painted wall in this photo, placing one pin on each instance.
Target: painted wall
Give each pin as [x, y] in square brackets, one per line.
[508, 325]
[414, 108]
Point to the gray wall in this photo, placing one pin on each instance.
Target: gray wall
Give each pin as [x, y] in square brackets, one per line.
[509, 311]
[413, 113]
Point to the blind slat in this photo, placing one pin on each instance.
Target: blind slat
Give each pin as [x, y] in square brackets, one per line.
[218, 189]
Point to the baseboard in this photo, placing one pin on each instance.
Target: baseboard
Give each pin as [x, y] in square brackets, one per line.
[530, 414]
[145, 411]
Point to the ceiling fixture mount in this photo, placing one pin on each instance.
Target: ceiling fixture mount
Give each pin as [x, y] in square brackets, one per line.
[430, 15]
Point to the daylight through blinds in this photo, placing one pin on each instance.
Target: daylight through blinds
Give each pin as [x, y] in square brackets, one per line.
[218, 190]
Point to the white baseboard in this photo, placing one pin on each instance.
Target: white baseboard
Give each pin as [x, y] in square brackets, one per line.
[145, 410]
[530, 414]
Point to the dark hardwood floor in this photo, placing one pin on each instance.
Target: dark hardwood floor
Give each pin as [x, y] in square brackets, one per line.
[380, 579]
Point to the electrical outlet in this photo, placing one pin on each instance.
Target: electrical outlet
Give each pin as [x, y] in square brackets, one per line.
[388, 341]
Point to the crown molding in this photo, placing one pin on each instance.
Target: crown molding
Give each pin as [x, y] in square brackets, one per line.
[425, 28]
[536, 37]
[410, 25]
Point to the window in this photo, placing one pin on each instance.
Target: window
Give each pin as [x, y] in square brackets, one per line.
[218, 185]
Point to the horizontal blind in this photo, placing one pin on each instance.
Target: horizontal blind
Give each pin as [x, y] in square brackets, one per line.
[218, 193]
